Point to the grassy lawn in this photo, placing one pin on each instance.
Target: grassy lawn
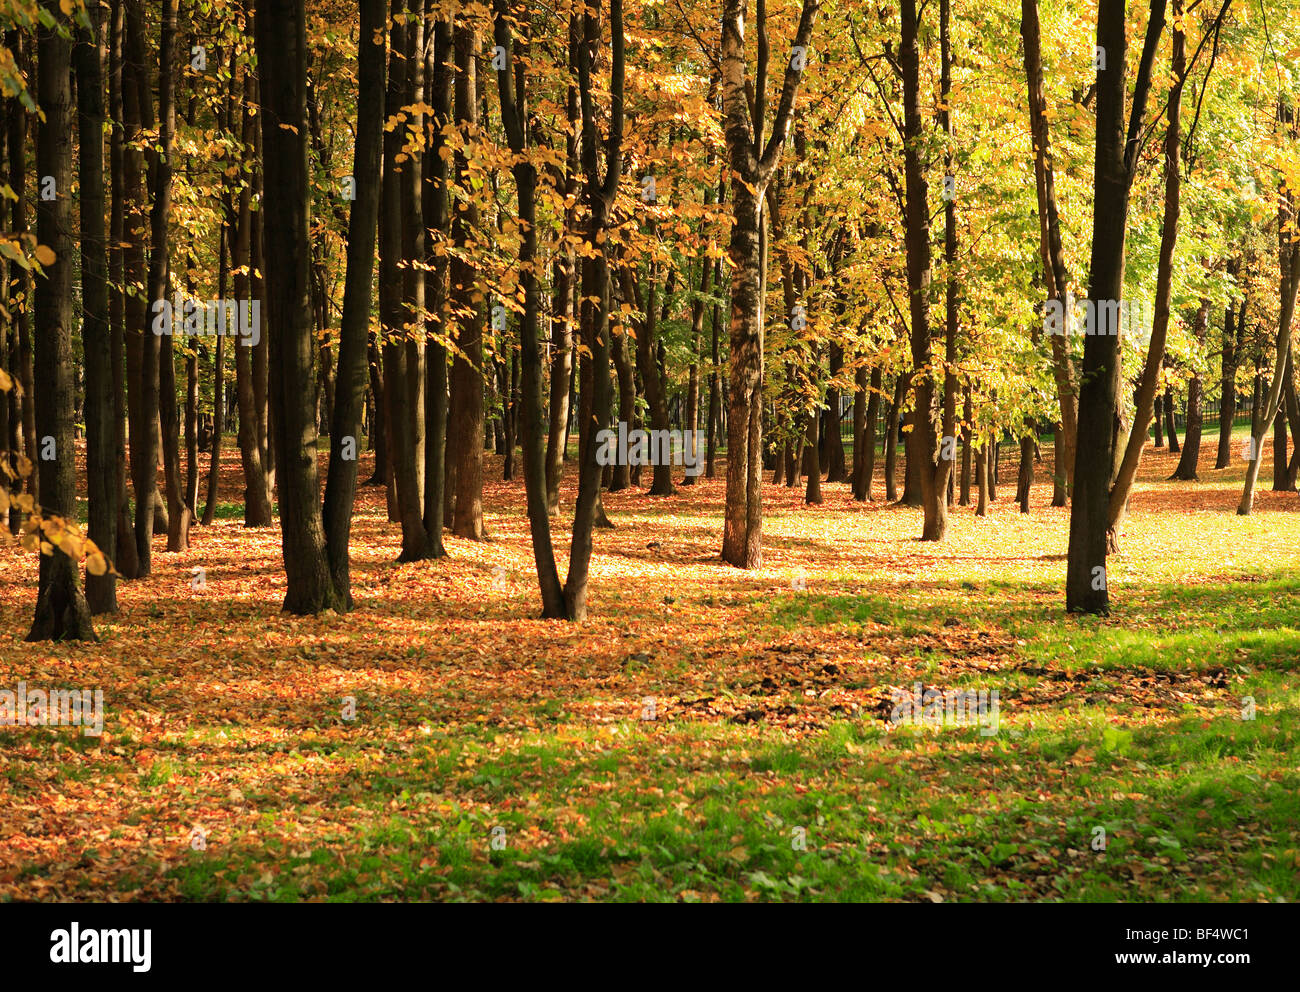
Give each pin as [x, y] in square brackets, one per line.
[708, 735]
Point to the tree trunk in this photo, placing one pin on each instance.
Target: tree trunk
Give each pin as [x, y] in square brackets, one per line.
[1025, 477]
[350, 386]
[514, 114]
[1056, 275]
[439, 86]
[281, 38]
[1190, 459]
[257, 492]
[466, 417]
[61, 609]
[753, 163]
[96, 333]
[1115, 161]
[621, 475]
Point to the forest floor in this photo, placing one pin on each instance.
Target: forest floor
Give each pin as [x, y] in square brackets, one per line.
[709, 734]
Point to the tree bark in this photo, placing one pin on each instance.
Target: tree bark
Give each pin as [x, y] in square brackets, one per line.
[1115, 161]
[96, 333]
[61, 609]
[466, 417]
[753, 163]
[514, 116]
[350, 385]
[281, 37]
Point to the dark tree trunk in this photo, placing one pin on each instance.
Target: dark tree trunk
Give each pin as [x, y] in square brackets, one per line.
[466, 417]
[401, 286]
[715, 377]
[127, 560]
[920, 446]
[142, 344]
[693, 376]
[439, 84]
[754, 163]
[96, 332]
[1115, 161]
[21, 436]
[350, 388]
[648, 367]
[891, 439]
[159, 365]
[257, 489]
[1228, 379]
[812, 448]
[598, 196]
[562, 308]
[621, 475]
[1170, 426]
[225, 237]
[968, 449]
[61, 609]
[1056, 275]
[281, 35]
[1025, 478]
[514, 115]
[1190, 459]
[836, 468]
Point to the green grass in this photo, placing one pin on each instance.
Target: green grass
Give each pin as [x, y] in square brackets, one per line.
[1195, 802]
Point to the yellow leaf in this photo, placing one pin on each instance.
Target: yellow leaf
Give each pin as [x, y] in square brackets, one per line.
[45, 255]
[96, 565]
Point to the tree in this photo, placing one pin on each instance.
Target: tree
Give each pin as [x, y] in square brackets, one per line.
[61, 609]
[512, 86]
[754, 162]
[598, 194]
[96, 334]
[280, 32]
[465, 424]
[1115, 162]
[350, 387]
[1288, 254]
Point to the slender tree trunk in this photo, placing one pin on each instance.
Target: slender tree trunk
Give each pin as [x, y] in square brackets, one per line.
[350, 388]
[466, 420]
[891, 439]
[1170, 426]
[1025, 477]
[281, 37]
[715, 376]
[1190, 459]
[159, 371]
[96, 332]
[61, 609]
[514, 114]
[1115, 161]
[439, 82]
[621, 475]
[257, 491]
[1228, 380]
[399, 245]
[1056, 275]
[1144, 401]
[754, 162]
[836, 467]
[968, 450]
